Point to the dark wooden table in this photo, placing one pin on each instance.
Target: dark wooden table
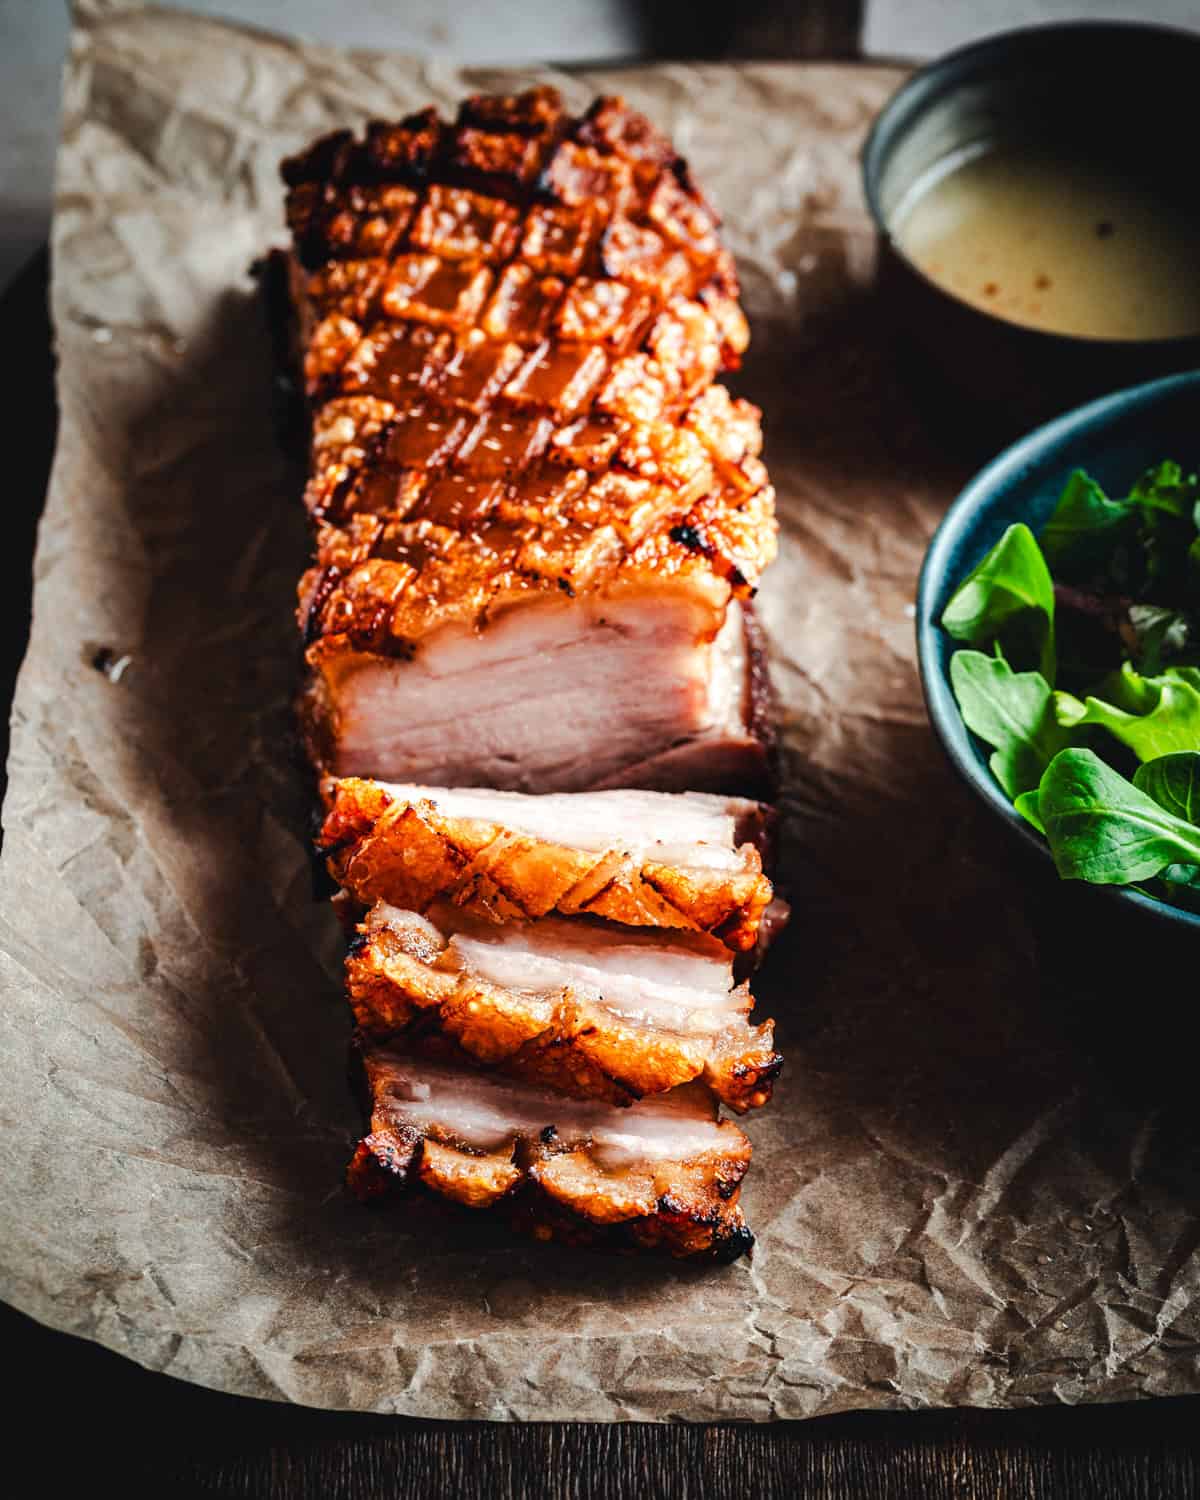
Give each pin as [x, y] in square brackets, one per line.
[86, 1417]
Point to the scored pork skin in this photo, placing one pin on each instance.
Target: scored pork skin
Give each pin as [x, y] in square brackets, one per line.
[663, 1174]
[510, 329]
[644, 859]
[587, 1008]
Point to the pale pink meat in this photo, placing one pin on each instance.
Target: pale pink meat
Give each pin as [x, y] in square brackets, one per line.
[591, 1008]
[695, 830]
[485, 1111]
[558, 697]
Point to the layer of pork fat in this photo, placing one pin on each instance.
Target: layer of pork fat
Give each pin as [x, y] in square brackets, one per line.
[554, 697]
[688, 829]
[682, 982]
[487, 1111]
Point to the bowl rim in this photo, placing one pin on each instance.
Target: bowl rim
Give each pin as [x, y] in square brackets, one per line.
[932, 81]
[934, 580]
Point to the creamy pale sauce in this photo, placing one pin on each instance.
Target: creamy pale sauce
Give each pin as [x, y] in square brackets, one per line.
[1057, 242]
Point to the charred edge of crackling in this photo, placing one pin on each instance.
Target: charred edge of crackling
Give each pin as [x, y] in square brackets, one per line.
[763, 1074]
[471, 116]
[507, 186]
[530, 1212]
[398, 1160]
[729, 1241]
[614, 883]
[682, 172]
[732, 1246]
[374, 461]
[321, 161]
[692, 538]
[335, 847]
[328, 581]
[735, 930]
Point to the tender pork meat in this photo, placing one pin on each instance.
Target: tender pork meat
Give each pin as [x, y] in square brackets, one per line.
[687, 861]
[534, 507]
[737, 752]
[588, 1008]
[562, 697]
[663, 1174]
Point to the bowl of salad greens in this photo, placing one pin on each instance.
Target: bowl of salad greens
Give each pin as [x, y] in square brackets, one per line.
[1058, 633]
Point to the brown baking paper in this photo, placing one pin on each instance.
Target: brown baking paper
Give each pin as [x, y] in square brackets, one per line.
[958, 1198]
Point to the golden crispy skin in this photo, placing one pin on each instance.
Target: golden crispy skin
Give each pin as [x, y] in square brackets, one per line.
[410, 854]
[510, 327]
[401, 973]
[553, 1183]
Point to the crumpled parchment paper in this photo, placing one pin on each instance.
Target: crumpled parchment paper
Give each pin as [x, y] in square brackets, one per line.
[979, 1182]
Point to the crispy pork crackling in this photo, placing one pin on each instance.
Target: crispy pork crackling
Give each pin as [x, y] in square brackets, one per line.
[663, 1174]
[539, 521]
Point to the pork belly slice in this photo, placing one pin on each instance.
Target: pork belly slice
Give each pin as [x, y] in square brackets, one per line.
[588, 1008]
[536, 511]
[561, 697]
[737, 752]
[662, 1174]
[687, 861]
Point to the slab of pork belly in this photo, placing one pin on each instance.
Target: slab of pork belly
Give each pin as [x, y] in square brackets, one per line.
[563, 696]
[647, 859]
[664, 1173]
[587, 1007]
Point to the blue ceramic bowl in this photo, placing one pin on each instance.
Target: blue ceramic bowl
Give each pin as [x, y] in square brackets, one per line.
[1114, 439]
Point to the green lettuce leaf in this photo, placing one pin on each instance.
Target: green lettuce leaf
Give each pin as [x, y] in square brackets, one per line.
[1194, 551]
[1133, 547]
[1103, 829]
[1174, 783]
[1162, 635]
[1086, 532]
[1129, 575]
[1167, 503]
[1027, 805]
[1182, 886]
[1013, 712]
[1153, 716]
[1164, 488]
[1008, 601]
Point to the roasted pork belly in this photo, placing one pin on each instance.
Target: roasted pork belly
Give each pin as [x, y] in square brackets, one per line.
[664, 1173]
[536, 512]
[562, 697]
[689, 861]
[585, 1007]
